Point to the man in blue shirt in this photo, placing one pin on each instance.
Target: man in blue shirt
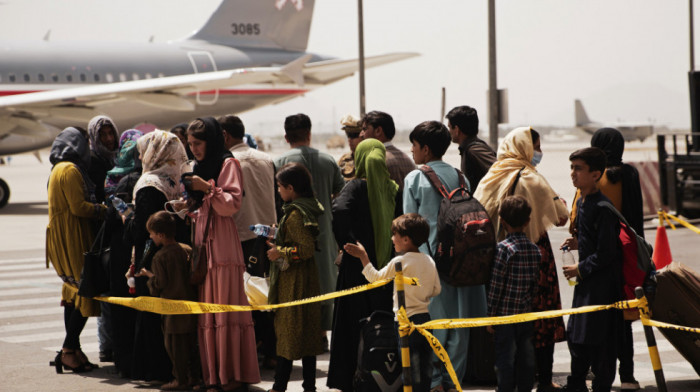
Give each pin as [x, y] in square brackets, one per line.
[429, 141]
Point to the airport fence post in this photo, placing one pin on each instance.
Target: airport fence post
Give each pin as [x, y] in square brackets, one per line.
[651, 342]
[403, 336]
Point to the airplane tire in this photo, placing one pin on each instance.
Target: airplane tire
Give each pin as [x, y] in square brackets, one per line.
[4, 193]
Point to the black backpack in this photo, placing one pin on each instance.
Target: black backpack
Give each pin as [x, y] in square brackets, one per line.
[465, 233]
[378, 359]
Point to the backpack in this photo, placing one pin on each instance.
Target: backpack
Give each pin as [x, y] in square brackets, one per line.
[637, 265]
[379, 366]
[465, 233]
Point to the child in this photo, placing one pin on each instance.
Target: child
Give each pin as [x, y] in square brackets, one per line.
[408, 232]
[170, 279]
[599, 272]
[512, 289]
[294, 276]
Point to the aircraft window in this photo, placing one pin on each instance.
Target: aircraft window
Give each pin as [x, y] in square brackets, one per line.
[109, 78]
[69, 77]
[12, 78]
[40, 77]
[135, 76]
[148, 76]
[26, 77]
[54, 77]
[122, 77]
[82, 77]
[97, 77]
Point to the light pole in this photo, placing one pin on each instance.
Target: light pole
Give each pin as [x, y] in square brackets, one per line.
[361, 40]
[493, 89]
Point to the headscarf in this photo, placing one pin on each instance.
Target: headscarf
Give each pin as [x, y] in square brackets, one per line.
[162, 157]
[370, 163]
[515, 154]
[127, 160]
[610, 140]
[95, 144]
[71, 146]
[210, 167]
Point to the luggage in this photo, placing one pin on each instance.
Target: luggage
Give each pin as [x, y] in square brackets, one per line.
[378, 361]
[677, 301]
[465, 233]
[481, 358]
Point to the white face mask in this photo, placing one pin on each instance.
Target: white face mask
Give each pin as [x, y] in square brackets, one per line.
[537, 158]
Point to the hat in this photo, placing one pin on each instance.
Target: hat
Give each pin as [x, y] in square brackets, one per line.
[350, 123]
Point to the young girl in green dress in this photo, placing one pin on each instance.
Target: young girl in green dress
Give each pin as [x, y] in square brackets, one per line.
[294, 276]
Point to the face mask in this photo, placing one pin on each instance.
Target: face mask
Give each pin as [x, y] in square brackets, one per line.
[537, 158]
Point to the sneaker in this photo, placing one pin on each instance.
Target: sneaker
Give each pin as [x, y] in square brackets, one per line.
[630, 385]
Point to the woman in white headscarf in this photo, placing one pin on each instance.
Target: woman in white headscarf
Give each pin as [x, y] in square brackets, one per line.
[515, 173]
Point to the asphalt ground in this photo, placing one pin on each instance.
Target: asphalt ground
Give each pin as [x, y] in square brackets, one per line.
[31, 326]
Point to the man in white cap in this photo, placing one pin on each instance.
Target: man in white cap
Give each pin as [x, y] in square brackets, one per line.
[351, 126]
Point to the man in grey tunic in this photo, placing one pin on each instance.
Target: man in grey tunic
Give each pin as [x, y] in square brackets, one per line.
[327, 181]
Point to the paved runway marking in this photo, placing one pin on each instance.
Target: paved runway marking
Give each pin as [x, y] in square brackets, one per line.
[18, 267]
[17, 261]
[56, 309]
[30, 273]
[32, 290]
[29, 282]
[21, 327]
[39, 337]
[29, 301]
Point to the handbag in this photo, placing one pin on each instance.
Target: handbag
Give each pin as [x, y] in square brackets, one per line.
[198, 257]
[94, 279]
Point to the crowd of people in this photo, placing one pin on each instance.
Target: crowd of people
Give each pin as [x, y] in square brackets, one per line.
[196, 191]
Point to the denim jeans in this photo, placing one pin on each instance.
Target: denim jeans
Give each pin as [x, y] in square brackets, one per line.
[515, 356]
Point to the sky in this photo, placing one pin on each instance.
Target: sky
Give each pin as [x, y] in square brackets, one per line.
[627, 60]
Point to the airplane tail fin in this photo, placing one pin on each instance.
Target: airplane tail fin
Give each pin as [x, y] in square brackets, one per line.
[580, 112]
[268, 24]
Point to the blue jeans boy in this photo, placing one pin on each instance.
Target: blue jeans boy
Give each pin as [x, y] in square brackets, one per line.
[515, 356]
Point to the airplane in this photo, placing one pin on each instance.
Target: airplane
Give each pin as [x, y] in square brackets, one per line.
[250, 53]
[629, 131]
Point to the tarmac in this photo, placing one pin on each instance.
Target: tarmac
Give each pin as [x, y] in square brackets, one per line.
[31, 324]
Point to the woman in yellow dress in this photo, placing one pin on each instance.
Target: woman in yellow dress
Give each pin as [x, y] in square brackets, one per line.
[68, 235]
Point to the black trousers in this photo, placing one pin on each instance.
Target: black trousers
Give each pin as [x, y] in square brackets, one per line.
[284, 370]
[600, 358]
[545, 360]
[74, 323]
[625, 353]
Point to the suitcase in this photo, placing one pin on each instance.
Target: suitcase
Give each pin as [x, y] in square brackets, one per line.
[481, 358]
[378, 363]
[677, 301]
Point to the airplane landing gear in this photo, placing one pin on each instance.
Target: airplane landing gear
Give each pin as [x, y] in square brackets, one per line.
[4, 193]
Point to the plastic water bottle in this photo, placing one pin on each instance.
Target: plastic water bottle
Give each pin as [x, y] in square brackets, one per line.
[568, 259]
[123, 208]
[131, 281]
[263, 230]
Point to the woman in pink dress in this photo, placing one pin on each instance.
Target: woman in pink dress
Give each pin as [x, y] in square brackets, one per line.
[226, 340]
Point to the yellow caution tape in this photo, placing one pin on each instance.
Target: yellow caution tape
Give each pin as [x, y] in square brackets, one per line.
[170, 306]
[660, 324]
[666, 217]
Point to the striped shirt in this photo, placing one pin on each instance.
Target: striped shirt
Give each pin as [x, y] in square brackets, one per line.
[514, 276]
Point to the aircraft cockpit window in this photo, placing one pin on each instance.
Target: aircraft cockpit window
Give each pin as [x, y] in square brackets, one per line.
[109, 77]
[40, 77]
[11, 77]
[122, 77]
[54, 77]
[97, 77]
[69, 78]
[26, 77]
[83, 77]
[135, 76]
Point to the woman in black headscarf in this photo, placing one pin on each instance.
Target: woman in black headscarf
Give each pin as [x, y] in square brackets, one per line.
[620, 183]
[226, 340]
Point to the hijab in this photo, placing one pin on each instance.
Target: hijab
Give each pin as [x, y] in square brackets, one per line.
[515, 156]
[162, 157]
[95, 144]
[610, 140]
[71, 146]
[127, 160]
[370, 164]
[210, 167]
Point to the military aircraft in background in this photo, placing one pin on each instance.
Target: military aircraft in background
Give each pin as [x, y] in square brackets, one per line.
[250, 53]
[629, 131]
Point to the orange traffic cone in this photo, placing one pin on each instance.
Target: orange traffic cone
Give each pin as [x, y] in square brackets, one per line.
[662, 251]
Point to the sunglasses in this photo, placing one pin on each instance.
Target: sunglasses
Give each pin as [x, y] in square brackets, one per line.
[353, 135]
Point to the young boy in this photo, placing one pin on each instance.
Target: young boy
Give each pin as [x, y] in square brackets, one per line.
[599, 272]
[511, 291]
[170, 279]
[408, 232]
[430, 140]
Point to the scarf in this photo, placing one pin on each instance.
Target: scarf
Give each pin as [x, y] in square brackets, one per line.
[515, 153]
[71, 146]
[127, 160]
[162, 157]
[95, 144]
[210, 167]
[370, 164]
